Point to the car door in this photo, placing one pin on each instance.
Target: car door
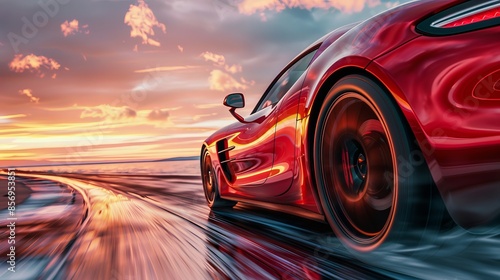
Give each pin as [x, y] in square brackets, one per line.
[252, 149]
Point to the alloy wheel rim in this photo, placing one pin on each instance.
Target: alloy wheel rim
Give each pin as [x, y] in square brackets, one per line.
[208, 179]
[358, 169]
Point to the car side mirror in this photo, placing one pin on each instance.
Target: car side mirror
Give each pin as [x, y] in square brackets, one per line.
[235, 101]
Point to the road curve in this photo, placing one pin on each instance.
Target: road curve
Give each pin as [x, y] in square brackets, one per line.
[159, 227]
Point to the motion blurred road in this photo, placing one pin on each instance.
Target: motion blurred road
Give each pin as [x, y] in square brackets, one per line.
[84, 226]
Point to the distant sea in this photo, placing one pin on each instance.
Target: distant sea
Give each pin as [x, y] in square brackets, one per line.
[171, 167]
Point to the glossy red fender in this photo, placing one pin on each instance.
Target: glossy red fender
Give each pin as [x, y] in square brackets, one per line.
[352, 53]
[449, 90]
[446, 87]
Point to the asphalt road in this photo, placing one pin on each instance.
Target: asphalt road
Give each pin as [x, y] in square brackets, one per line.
[159, 227]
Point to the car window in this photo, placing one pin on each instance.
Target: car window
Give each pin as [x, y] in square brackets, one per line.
[285, 82]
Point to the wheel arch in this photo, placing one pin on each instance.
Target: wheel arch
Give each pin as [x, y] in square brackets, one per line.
[316, 106]
[394, 94]
[204, 147]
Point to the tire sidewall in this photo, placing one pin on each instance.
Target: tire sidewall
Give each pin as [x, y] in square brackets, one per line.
[217, 202]
[401, 149]
[203, 170]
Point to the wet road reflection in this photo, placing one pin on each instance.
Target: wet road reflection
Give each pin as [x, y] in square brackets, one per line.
[46, 226]
[159, 227]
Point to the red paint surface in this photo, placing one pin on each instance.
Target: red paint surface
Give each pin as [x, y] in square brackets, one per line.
[446, 88]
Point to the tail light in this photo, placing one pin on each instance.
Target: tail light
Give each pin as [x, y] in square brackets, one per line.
[475, 17]
[468, 16]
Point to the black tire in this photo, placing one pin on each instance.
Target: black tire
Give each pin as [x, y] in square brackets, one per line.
[210, 187]
[373, 182]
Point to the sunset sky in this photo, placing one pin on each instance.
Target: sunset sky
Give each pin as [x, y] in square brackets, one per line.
[107, 80]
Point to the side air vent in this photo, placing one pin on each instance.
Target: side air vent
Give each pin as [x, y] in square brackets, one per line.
[224, 159]
[468, 16]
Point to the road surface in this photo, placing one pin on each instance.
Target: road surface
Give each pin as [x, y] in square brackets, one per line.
[98, 226]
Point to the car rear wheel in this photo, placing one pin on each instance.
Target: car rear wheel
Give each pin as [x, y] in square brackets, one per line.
[372, 179]
[210, 187]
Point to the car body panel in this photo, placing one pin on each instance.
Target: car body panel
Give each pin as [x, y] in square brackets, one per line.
[381, 34]
[441, 85]
[252, 156]
[367, 41]
[456, 114]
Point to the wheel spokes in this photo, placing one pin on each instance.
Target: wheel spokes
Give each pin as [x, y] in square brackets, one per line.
[356, 150]
[208, 179]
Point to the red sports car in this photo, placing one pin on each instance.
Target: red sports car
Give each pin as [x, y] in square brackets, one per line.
[372, 125]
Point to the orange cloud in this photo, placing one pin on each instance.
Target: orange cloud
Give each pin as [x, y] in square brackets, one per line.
[108, 112]
[158, 115]
[12, 116]
[249, 7]
[203, 116]
[207, 106]
[142, 20]
[220, 60]
[180, 48]
[7, 118]
[72, 27]
[165, 69]
[243, 80]
[222, 81]
[217, 59]
[32, 63]
[29, 93]
[236, 68]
